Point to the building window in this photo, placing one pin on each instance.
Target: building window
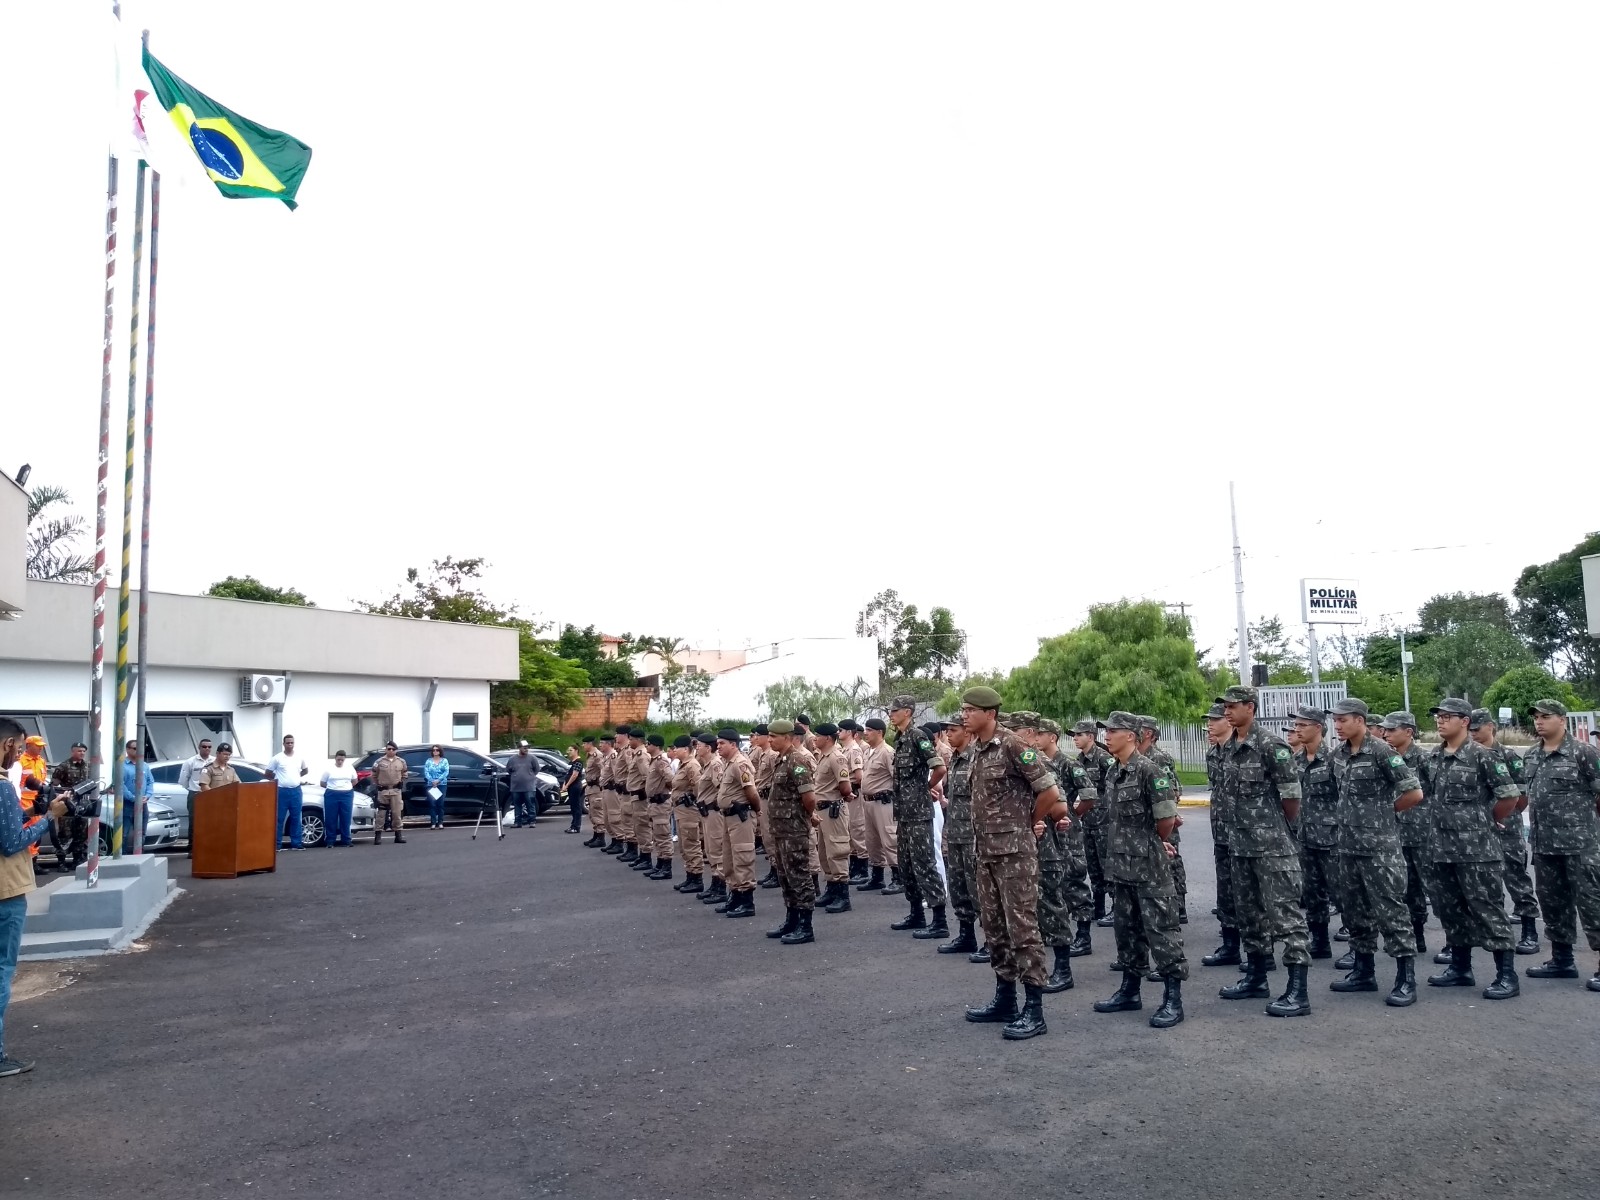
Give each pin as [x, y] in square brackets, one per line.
[174, 737]
[464, 727]
[358, 733]
[59, 731]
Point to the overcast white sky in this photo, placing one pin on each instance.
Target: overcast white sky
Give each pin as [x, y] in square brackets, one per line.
[715, 319]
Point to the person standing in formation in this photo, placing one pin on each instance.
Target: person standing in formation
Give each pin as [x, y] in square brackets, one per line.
[388, 779]
[960, 841]
[877, 787]
[713, 828]
[792, 801]
[639, 796]
[1096, 760]
[1149, 733]
[855, 762]
[289, 770]
[1078, 791]
[593, 794]
[738, 798]
[1563, 781]
[189, 780]
[831, 818]
[658, 797]
[1218, 734]
[917, 769]
[685, 785]
[1320, 891]
[1400, 731]
[1513, 846]
[606, 803]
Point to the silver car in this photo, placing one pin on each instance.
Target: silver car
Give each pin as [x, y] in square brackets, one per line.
[313, 824]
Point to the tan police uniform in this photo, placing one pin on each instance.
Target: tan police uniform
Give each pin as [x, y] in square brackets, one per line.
[764, 762]
[877, 787]
[388, 776]
[685, 785]
[636, 812]
[658, 796]
[592, 791]
[831, 820]
[712, 832]
[740, 827]
[611, 770]
[211, 776]
[855, 761]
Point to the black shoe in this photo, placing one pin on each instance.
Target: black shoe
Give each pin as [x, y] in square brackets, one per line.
[1560, 964]
[717, 891]
[1099, 906]
[377, 837]
[1404, 992]
[1444, 955]
[663, 871]
[938, 929]
[1294, 1002]
[1002, 1009]
[645, 862]
[1030, 1021]
[963, 943]
[874, 882]
[1420, 929]
[1225, 955]
[630, 853]
[615, 847]
[1124, 999]
[1319, 941]
[858, 871]
[841, 900]
[824, 896]
[729, 901]
[1171, 1011]
[691, 883]
[1183, 919]
[594, 840]
[771, 880]
[398, 840]
[1530, 937]
[1343, 935]
[1362, 977]
[1345, 962]
[1061, 977]
[1107, 921]
[896, 884]
[981, 955]
[1115, 966]
[1506, 984]
[1458, 973]
[791, 921]
[1252, 984]
[746, 905]
[801, 933]
[1594, 981]
[913, 920]
[1082, 942]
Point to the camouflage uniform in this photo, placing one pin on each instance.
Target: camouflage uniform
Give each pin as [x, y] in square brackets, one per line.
[961, 839]
[1006, 776]
[1221, 812]
[1320, 889]
[1468, 867]
[1562, 788]
[1513, 848]
[1372, 869]
[1096, 762]
[1258, 774]
[1075, 784]
[1144, 896]
[1180, 874]
[1414, 826]
[793, 776]
[914, 757]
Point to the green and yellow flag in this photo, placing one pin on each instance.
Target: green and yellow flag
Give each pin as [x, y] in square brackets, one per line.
[244, 160]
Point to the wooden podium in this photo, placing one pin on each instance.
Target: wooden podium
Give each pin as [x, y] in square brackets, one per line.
[232, 831]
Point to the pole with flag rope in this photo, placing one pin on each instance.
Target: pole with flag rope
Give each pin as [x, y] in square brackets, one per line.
[144, 520]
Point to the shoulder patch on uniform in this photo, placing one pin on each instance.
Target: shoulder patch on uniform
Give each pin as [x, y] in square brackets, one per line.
[799, 770]
[1396, 761]
[1499, 768]
[1282, 753]
[925, 744]
[1029, 758]
[1161, 783]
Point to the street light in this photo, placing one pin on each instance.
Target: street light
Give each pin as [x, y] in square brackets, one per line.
[608, 708]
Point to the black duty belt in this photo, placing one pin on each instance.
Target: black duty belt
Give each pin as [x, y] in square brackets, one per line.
[882, 797]
[660, 798]
[740, 810]
[684, 802]
[637, 795]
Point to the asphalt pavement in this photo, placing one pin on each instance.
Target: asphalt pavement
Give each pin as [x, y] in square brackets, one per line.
[456, 1018]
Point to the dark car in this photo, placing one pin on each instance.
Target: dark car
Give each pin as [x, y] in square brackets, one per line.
[477, 783]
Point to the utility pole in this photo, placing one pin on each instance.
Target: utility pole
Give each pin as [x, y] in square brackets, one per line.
[1238, 588]
[1405, 670]
[1311, 648]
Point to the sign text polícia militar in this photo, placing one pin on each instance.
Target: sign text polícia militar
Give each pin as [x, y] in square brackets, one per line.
[1330, 602]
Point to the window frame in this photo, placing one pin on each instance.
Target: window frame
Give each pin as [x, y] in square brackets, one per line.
[457, 720]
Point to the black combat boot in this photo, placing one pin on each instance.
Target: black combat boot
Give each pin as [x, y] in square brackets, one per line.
[1363, 976]
[825, 896]
[1061, 977]
[1420, 928]
[963, 943]
[981, 955]
[1506, 984]
[1225, 955]
[841, 900]
[858, 870]
[1183, 915]
[874, 882]
[1082, 943]
[913, 920]
[1319, 941]
[1294, 1002]
[791, 921]
[1404, 992]
[937, 929]
[1458, 973]
[746, 904]
[1030, 1021]
[1530, 937]
[718, 891]
[617, 846]
[1345, 962]
[1252, 984]
[630, 853]
[1002, 1009]
[1560, 964]
[590, 842]
[1444, 956]
[731, 899]
[1124, 999]
[663, 870]
[1594, 981]
[1171, 1011]
[399, 838]
[1110, 918]
[377, 837]
[1343, 935]
[801, 933]
[646, 862]
[691, 883]
[1099, 906]
[896, 884]
[770, 880]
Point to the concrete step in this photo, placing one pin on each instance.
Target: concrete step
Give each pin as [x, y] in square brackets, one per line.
[68, 916]
[76, 941]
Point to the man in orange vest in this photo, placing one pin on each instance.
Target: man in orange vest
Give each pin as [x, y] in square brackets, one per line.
[34, 773]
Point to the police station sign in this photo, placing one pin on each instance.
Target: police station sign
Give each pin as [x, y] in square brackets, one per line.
[1330, 602]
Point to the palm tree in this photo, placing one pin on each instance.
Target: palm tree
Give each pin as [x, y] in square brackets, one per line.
[50, 539]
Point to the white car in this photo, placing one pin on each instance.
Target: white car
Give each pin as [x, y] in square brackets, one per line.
[313, 825]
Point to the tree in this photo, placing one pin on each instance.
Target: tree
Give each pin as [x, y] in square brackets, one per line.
[248, 587]
[1552, 617]
[448, 591]
[682, 692]
[547, 684]
[1385, 693]
[1130, 656]
[1449, 611]
[1520, 687]
[583, 646]
[51, 539]
[909, 646]
[950, 702]
[1470, 656]
[819, 701]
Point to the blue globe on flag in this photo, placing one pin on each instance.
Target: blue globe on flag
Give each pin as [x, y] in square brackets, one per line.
[217, 151]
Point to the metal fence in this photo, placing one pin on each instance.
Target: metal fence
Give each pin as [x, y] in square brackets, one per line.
[1274, 710]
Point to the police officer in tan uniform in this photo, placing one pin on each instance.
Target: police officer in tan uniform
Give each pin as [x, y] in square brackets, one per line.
[877, 793]
[854, 759]
[713, 831]
[685, 786]
[591, 787]
[764, 760]
[607, 796]
[635, 812]
[658, 800]
[739, 801]
[831, 818]
[388, 777]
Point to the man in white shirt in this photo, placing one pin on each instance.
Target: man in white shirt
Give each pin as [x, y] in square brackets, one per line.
[288, 770]
[189, 780]
[338, 800]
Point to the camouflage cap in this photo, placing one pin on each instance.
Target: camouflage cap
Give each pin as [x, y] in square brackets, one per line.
[980, 697]
[1046, 725]
[1451, 706]
[1024, 718]
[780, 726]
[1238, 694]
[1308, 712]
[1087, 725]
[1549, 708]
[1351, 707]
[1400, 720]
[1146, 722]
[1216, 712]
[1479, 718]
[902, 701]
[1122, 720]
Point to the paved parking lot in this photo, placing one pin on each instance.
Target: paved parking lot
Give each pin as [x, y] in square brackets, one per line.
[453, 1018]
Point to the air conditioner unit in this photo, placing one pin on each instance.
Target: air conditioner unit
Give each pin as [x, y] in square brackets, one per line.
[262, 689]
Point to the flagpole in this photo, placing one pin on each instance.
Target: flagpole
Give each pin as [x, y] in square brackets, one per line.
[121, 720]
[144, 525]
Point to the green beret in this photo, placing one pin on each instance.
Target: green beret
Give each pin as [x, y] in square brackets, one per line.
[981, 697]
[780, 726]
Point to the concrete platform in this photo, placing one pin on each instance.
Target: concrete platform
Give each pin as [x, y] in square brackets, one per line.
[66, 917]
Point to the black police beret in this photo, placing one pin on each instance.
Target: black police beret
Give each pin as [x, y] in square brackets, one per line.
[655, 739]
[802, 719]
[759, 730]
[624, 731]
[682, 742]
[876, 723]
[709, 739]
[826, 729]
[728, 735]
[849, 723]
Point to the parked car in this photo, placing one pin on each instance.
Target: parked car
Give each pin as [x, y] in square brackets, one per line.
[312, 822]
[477, 782]
[552, 772]
[160, 833]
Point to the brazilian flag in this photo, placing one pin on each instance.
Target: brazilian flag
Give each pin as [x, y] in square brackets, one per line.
[244, 160]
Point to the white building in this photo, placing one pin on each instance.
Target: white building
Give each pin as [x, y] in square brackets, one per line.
[248, 673]
[736, 691]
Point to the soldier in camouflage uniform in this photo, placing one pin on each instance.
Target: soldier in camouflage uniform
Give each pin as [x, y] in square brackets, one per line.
[792, 800]
[1149, 731]
[1400, 731]
[914, 760]
[960, 841]
[1076, 789]
[1563, 781]
[1471, 791]
[1055, 864]
[1141, 819]
[1319, 824]
[1513, 846]
[1012, 792]
[1262, 789]
[1095, 760]
[1373, 784]
[1218, 734]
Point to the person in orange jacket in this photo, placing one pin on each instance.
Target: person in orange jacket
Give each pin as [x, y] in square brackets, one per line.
[34, 773]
